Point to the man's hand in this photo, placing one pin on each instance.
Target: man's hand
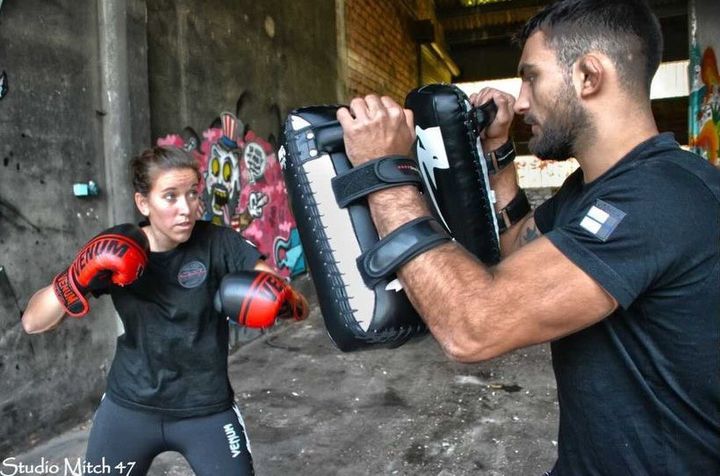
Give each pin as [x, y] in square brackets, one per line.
[498, 132]
[375, 127]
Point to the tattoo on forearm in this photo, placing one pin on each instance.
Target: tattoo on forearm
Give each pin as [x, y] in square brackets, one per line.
[531, 233]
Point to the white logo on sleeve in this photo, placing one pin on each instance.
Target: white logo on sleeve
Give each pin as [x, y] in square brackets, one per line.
[602, 219]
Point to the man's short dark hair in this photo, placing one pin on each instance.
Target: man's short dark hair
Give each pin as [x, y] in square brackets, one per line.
[624, 30]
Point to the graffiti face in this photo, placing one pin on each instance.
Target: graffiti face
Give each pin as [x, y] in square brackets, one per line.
[242, 187]
[222, 183]
[256, 160]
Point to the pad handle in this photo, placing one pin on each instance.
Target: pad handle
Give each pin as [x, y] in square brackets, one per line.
[484, 115]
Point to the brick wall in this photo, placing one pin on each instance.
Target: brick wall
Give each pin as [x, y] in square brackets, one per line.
[381, 52]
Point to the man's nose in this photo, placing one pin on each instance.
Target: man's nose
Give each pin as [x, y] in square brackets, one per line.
[522, 104]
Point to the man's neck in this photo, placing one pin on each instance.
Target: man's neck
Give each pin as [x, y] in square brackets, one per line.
[614, 138]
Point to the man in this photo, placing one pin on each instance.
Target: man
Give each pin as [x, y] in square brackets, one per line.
[620, 270]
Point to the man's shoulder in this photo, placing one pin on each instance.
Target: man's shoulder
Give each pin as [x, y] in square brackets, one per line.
[680, 171]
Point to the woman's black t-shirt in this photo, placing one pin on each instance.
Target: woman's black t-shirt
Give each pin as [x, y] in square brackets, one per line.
[172, 358]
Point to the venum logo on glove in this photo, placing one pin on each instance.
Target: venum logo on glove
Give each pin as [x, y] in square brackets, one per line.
[268, 286]
[117, 256]
[102, 245]
[68, 295]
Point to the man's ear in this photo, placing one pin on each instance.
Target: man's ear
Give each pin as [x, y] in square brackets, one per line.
[141, 202]
[592, 75]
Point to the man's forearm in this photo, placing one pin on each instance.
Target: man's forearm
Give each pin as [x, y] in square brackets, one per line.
[447, 274]
[396, 206]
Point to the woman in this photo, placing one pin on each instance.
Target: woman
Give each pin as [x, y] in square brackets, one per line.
[168, 387]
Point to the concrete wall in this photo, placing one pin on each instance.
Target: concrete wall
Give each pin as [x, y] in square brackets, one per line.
[52, 123]
[203, 56]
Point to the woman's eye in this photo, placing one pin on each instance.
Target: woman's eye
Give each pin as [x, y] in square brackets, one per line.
[193, 194]
[169, 197]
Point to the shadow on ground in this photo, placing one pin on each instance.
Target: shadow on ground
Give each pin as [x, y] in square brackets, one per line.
[311, 410]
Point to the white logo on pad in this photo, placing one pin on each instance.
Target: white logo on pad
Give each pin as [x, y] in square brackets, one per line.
[431, 155]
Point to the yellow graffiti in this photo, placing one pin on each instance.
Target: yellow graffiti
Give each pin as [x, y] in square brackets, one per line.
[708, 113]
[709, 139]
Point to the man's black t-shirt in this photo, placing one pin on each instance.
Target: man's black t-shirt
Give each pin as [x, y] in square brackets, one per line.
[172, 358]
[639, 391]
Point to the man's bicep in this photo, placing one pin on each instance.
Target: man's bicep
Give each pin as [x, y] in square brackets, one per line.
[548, 296]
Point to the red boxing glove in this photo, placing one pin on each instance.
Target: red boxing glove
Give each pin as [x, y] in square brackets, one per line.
[118, 255]
[296, 306]
[256, 299]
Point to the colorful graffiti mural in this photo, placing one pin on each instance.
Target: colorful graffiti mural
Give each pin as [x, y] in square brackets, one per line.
[704, 112]
[243, 187]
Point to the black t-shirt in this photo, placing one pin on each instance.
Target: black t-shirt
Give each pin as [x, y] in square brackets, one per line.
[639, 391]
[172, 358]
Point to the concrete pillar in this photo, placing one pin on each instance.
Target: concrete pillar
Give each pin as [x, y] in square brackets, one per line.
[115, 100]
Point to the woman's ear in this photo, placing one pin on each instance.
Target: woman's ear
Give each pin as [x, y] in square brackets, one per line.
[141, 202]
[592, 74]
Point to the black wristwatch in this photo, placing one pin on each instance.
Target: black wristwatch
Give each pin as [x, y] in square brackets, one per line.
[514, 211]
[501, 157]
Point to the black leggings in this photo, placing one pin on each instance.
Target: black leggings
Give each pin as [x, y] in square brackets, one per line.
[127, 441]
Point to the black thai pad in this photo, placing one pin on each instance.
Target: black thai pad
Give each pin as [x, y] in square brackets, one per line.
[356, 316]
[454, 172]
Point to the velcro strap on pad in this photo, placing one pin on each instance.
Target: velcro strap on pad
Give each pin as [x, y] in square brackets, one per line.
[399, 247]
[385, 172]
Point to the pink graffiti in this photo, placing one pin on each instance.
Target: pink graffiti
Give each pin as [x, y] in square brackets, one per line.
[262, 214]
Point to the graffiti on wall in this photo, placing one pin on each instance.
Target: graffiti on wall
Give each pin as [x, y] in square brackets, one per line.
[704, 113]
[243, 187]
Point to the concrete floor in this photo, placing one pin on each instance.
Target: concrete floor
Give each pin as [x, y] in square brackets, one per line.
[311, 410]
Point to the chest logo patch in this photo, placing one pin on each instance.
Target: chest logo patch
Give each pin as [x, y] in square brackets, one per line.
[192, 274]
[602, 219]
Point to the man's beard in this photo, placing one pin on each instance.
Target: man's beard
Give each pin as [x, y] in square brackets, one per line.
[566, 124]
